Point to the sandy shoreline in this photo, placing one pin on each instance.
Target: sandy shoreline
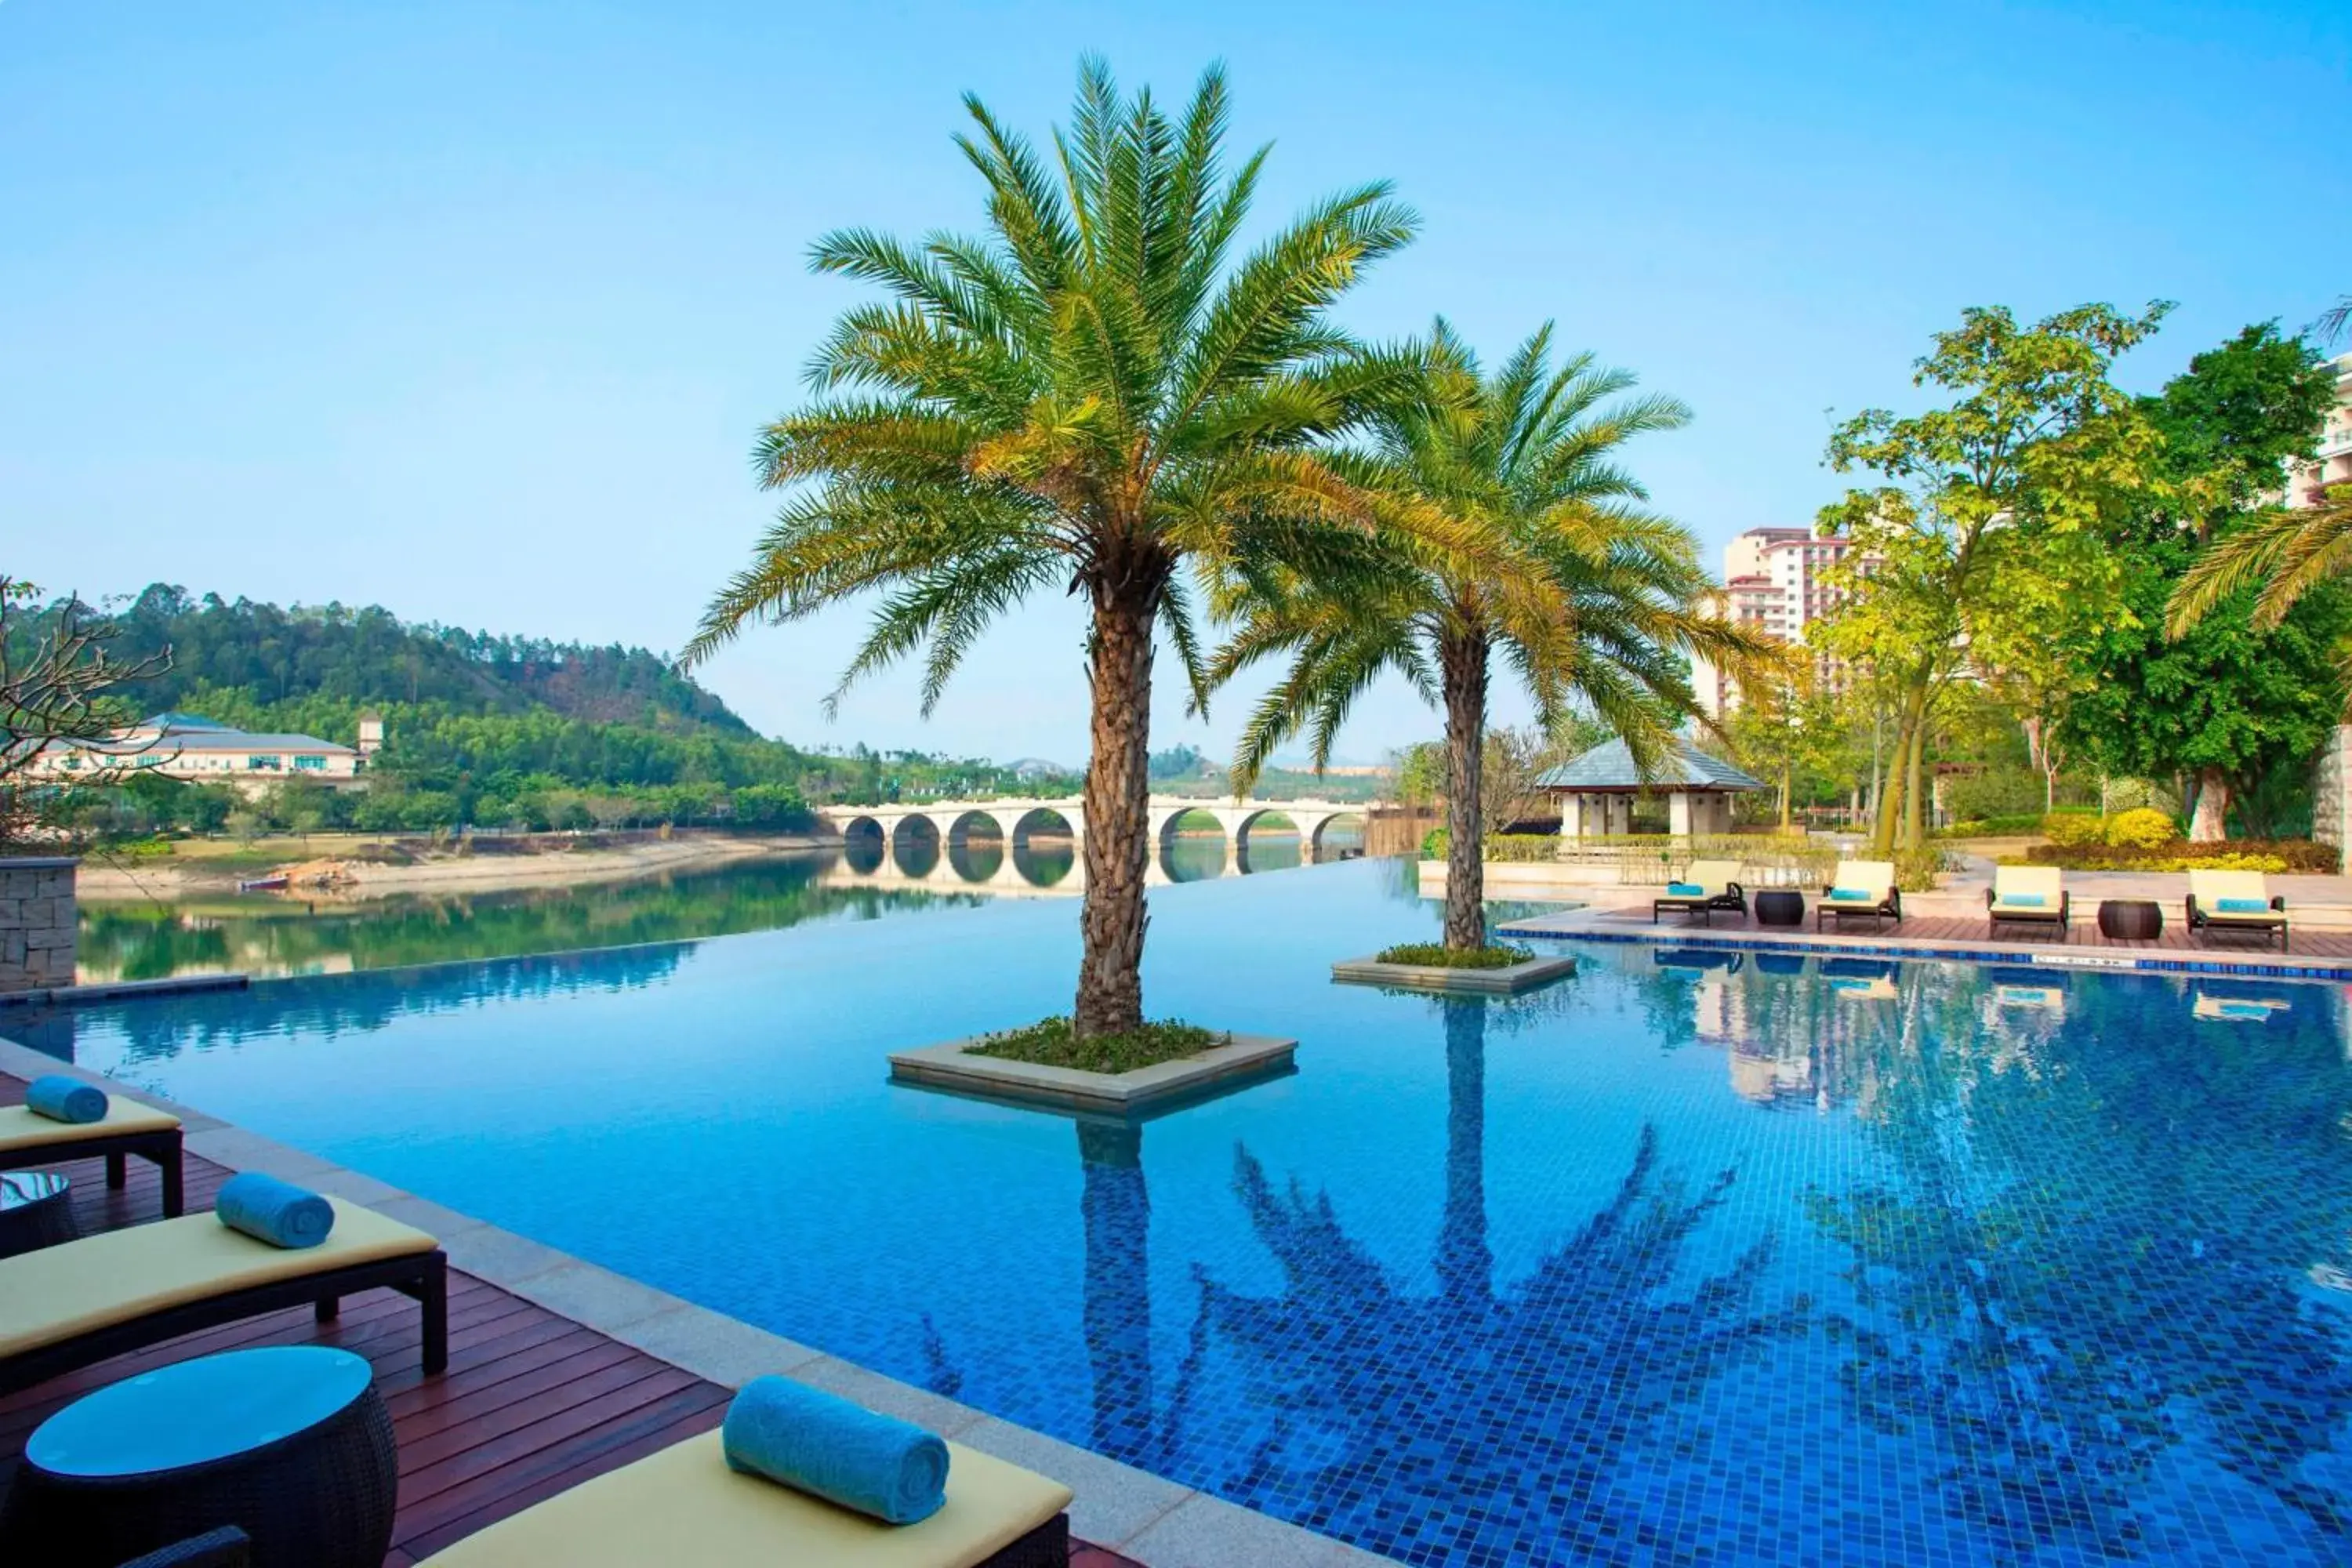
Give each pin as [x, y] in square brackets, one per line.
[168, 880]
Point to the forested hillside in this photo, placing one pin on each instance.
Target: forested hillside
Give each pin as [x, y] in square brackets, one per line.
[359, 657]
[480, 731]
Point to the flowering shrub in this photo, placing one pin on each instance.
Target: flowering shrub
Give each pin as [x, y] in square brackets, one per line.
[2142, 828]
[2074, 827]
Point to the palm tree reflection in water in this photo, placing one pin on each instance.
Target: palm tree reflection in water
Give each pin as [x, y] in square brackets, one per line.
[1428, 1426]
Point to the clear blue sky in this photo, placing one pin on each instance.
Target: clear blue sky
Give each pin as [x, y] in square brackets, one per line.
[472, 310]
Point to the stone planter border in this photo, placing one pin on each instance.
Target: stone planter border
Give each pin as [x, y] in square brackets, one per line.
[1148, 1091]
[1508, 981]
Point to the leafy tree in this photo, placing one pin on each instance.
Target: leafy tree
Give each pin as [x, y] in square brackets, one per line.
[2248, 684]
[1549, 558]
[1993, 513]
[1092, 396]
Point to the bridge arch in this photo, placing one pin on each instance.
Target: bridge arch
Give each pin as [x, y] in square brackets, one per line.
[865, 844]
[915, 845]
[976, 848]
[1035, 820]
[1356, 823]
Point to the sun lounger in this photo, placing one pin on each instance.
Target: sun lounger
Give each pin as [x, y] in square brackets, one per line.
[2237, 902]
[2028, 895]
[1719, 889]
[1862, 890]
[683, 1508]
[129, 1128]
[81, 1301]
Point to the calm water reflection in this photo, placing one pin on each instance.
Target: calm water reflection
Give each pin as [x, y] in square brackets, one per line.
[268, 934]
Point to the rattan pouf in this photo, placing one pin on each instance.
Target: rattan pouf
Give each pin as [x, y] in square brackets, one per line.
[290, 1444]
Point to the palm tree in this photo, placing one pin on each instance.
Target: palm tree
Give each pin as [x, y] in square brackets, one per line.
[1592, 599]
[1093, 396]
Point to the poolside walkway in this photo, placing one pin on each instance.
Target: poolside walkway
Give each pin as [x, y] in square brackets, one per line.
[532, 1403]
[1942, 933]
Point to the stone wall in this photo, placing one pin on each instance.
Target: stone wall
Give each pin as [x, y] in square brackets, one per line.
[36, 923]
[2331, 805]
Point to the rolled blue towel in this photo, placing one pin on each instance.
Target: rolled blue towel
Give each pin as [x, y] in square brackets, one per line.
[279, 1213]
[2024, 901]
[1685, 890]
[2225, 906]
[1849, 895]
[63, 1098]
[820, 1443]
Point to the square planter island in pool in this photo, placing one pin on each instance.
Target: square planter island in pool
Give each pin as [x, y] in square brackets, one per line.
[1507, 981]
[1241, 1061]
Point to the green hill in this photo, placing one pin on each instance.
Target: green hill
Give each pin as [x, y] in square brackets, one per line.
[266, 655]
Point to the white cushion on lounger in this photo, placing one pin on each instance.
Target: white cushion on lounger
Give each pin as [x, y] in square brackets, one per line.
[1874, 879]
[2044, 884]
[23, 1129]
[1715, 875]
[119, 1276]
[683, 1508]
[2209, 887]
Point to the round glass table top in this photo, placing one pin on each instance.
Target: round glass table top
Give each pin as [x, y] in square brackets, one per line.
[21, 1189]
[198, 1411]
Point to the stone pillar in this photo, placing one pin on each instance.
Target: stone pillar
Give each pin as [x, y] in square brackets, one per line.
[2331, 805]
[36, 923]
[1678, 815]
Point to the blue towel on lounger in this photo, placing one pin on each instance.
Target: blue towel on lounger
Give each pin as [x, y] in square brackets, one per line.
[2241, 906]
[1685, 890]
[820, 1443]
[63, 1098]
[279, 1213]
[1849, 895]
[2022, 900]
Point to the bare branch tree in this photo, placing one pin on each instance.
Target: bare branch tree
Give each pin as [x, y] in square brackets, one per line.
[57, 681]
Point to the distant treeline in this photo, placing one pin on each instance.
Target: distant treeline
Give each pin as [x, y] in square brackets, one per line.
[481, 731]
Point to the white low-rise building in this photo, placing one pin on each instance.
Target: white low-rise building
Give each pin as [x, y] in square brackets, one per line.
[190, 747]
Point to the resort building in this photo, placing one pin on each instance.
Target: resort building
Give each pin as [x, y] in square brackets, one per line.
[2306, 483]
[1777, 580]
[1597, 791]
[190, 747]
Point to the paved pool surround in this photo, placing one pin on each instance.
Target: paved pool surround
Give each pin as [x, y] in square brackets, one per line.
[1157, 1521]
[1508, 980]
[1242, 1060]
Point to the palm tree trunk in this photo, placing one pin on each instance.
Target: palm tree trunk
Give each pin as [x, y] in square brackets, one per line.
[1461, 661]
[1117, 802]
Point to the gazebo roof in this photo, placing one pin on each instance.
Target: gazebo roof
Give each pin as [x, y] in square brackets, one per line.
[1610, 767]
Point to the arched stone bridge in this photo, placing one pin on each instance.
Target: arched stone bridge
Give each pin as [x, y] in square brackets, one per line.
[1016, 821]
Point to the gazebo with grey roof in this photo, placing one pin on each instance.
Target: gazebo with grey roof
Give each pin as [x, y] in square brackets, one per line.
[1596, 791]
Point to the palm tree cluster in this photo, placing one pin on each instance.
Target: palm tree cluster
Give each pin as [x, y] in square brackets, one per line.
[1104, 395]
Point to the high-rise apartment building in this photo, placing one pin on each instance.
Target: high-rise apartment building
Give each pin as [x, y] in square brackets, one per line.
[1777, 580]
[2307, 482]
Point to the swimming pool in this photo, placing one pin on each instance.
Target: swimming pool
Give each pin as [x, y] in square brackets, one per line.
[1701, 1254]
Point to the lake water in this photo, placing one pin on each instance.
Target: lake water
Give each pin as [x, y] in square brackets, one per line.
[274, 935]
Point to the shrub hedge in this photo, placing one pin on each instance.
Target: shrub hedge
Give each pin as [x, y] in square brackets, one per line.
[2276, 856]
[2142, 827]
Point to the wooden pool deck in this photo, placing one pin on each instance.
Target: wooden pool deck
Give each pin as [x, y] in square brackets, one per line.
[532, 1403]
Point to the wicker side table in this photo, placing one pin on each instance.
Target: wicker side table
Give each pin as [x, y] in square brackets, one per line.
[291, 1444]
[36, 1210]
[2131, 920]
[1780, 907]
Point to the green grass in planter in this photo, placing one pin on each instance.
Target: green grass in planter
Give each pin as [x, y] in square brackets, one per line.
[1050, 1042]
[1438, 956]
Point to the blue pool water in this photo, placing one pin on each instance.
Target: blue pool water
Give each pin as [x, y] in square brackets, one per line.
[1698, 1257]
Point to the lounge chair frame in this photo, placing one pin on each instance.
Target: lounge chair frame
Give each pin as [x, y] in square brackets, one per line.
[423, 1277]
[1733, 899]
[2263, 926]
[1996, 917]
[1878, 914]
[160, 1147]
